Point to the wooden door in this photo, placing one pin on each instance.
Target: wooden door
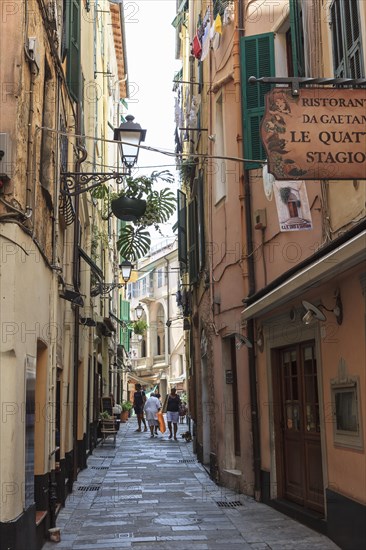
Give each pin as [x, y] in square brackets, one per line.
[300, 426]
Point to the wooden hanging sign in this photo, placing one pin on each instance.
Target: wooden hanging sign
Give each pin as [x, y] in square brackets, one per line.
[318, 134]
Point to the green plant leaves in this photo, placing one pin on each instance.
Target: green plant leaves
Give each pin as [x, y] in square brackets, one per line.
[159, 208]
[134, 242]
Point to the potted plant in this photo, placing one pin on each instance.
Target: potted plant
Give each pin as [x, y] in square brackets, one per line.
[139, 326]
[126, 407]
[141, 204]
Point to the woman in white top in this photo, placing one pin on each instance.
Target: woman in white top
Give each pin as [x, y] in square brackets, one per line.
[152, 406]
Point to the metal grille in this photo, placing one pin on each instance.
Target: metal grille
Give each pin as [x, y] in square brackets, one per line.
[185, 460]
[226, 504]
[89, 488]
[99, 467]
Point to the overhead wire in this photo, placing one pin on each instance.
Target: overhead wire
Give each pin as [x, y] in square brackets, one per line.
[153, 149]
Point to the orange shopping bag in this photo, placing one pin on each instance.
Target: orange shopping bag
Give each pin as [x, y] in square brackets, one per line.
[161, 421]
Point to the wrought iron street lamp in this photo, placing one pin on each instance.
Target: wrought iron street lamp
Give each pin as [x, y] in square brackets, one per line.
[128, 136]
[139, 310]
[126, 269]
[104, 288]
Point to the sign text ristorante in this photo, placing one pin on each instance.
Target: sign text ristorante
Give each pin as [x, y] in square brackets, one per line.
[319, 134]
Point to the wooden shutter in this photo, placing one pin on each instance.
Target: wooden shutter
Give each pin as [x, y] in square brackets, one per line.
[257, 59]
[73, 69]
[337, 39]
[200, 222]
[193, 242]
[124, 316]
[346, 39]
[182, 228]
[297, 38]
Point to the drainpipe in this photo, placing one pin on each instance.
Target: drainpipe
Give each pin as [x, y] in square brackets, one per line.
[251, 281]
[75, 277]
[54, 309]
[168, 306]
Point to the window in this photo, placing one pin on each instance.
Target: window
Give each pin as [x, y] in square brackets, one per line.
[346, 39]
[192, 241]
[71, 40]
[200, 222]
[295, 40]
[257, 59]
[219, 7]
[219, 166]
[346, 413]
[47, 143]
[143, 286]
[182, 228]
[160, 277]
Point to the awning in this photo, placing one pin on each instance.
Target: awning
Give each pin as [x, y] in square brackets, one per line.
[339, 260]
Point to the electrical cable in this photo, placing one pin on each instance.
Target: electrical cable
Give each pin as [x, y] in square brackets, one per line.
[153, 149]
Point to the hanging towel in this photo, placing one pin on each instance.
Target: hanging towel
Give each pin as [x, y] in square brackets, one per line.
[218, 24]
[197, 47]
[205, 42]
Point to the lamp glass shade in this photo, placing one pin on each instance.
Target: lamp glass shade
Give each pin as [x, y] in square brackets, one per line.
[126, 268]
[308, 317]
[312, 312]
[139, 310]
[129, 134]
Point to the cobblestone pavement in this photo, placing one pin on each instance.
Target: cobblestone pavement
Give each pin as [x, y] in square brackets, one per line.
[151, 493]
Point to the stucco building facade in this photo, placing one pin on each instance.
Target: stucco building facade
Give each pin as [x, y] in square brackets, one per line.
[63, 71]
[277, 394]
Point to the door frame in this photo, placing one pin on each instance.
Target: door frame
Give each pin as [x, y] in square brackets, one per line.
[303, 498]
[279, 331]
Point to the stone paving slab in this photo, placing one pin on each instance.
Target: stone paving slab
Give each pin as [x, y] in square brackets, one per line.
[147, 497]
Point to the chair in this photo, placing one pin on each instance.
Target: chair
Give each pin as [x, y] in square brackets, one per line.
[108, 429]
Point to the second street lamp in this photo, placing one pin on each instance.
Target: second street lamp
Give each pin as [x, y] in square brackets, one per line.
[103, 288]
[139, 310]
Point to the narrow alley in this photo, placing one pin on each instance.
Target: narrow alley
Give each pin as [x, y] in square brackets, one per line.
[150, 493]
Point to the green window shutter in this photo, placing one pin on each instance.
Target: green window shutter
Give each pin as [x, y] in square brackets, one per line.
[257, 59]
[337, 39]
[346, 39]
[124, 316]
[200, 222]
[73, 69]
[297, 38]
[182, 228]
[193, 244]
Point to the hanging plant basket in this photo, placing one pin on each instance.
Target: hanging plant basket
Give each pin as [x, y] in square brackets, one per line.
[127, 209]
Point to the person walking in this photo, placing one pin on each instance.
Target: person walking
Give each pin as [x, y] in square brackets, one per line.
[139, 400]
[172, 412]
[152, 406]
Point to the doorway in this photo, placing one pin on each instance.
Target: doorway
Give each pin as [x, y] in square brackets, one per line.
[297, 425]
[206, 429]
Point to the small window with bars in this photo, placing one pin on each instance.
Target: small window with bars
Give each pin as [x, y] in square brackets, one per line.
[346, 413]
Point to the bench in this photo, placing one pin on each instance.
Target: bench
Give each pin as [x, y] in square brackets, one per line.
[108, 429]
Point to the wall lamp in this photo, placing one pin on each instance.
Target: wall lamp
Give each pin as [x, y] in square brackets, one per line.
[241, 340]
[128, 136]
[104, 288]
[315, 312]
[139, 310]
